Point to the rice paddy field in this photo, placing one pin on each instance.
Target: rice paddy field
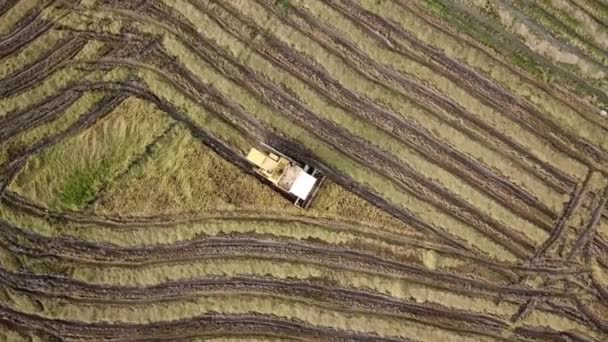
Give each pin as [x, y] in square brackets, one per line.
[464, 144]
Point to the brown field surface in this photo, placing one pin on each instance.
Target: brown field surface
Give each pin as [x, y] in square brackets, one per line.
[464, 145]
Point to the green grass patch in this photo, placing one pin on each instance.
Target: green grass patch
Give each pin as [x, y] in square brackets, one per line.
[68, 175]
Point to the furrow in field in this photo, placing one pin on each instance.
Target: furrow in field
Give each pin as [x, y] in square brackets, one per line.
[315, 290]
[6, 6]
[577, 137]
[481, 298]
[504, 160]
[121, 266]
[581, 222]
[585, 234]
[354, 319]
[593, 9]
[287, 147]
[127, 232]
[286, 103]
[356, 103]
[569, 211]
[22, 104]
[102, 108]
[482, 27]
[237, 245]
[472, 151]
[189, 236]
[19, 15]
[58, 56]
[569, 48]
[580, 22]
[60, 79]
[209, 325]
[299, 152]
[334, 136]
[571, 128]
[33, 51]
[23, 142]
[37, 114]
[335, 274]
[459, 81]
[26, 30]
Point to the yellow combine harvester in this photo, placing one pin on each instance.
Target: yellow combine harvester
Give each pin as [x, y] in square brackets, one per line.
[298, 182]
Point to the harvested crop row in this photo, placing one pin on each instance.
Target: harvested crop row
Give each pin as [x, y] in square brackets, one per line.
[282, 295]
[378, 28]
[210, 325]
[371, 251]
[568, 21]
[521, 112]
[134, 231]
[481, 293]
[251, 86]
[24, 25]
[352, 103]
[313, 28]
[483, 22]
[466, 263]
[226, 267]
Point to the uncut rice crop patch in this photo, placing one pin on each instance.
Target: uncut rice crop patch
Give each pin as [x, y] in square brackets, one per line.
[71, 173]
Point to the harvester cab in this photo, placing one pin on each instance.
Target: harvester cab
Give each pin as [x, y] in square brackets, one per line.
[298, 182]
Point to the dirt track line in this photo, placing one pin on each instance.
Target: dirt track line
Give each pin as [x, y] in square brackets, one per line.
[289, 106]
[583, 239]
[84, 121]
[361, 150]
[585, 49]
[568, 95]
[290, 148]
[599, 322]
[549, 334]
[408, 133]
[204, 325]
[71, 249]
[569, 210]
[278, 103]
[589, 13]
[39, 113]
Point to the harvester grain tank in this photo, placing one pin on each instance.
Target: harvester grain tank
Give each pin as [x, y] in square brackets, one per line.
[299, 181]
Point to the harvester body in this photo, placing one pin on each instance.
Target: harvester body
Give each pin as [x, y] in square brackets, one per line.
[299, 181]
